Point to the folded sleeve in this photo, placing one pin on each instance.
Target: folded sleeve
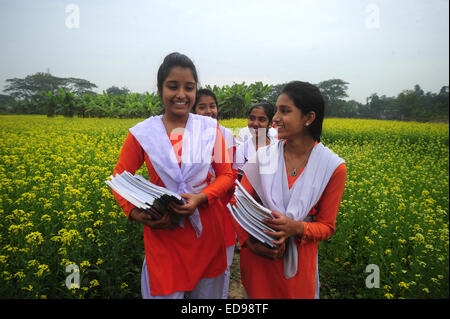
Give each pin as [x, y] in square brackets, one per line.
[327, 208]
[222, 168]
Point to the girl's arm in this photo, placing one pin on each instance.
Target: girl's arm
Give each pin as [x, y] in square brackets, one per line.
[222, 167]
[327, 208]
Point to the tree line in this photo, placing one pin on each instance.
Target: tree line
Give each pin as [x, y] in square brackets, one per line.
[43, 93]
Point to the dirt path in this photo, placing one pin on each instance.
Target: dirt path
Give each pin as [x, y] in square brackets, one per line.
[236, 290]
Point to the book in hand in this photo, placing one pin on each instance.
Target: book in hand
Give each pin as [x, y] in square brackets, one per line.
[250, 214]
[148, 197]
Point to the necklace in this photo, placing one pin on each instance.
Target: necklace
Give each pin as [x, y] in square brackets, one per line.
[294, 169]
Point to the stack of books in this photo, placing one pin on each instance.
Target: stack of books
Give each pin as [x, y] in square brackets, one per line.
[150, 198]
[249, 214]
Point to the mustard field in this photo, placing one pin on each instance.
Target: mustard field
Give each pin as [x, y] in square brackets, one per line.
[392, 230]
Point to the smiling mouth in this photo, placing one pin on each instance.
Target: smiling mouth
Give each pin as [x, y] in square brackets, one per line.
[180, 104]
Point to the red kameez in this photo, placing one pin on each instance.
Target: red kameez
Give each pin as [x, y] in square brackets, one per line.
[264, 278]
[177, 260]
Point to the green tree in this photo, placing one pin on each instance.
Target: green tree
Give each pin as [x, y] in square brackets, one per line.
[49, 103]
[66, 102]
[260, 92]
[349, 108]
[235, 101]
[114, 90]
[441, 103]
[78, 86]
[375, 105]
[409, 102]
[6, 102]
[333, 92]
[275, 91]
[32, 85]
[28, 91]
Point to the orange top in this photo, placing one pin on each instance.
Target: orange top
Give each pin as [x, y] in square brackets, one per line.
[264, 278]
[230, 234]
[177, 260]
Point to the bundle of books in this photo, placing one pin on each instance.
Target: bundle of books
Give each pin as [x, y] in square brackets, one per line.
[249, 214]
[150, 198]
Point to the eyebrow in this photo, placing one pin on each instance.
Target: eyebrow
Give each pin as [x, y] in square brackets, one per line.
[174, 82]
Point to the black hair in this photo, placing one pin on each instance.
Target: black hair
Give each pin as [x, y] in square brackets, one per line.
[269, 110]
[173, 60]
[205, 92]
[307, 98]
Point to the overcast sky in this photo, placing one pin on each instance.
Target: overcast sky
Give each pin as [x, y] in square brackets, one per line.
[376, 46]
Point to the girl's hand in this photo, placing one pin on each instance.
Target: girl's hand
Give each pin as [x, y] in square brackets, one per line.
[284, 226]
[144, 218]
[192, 203]
[259, 249]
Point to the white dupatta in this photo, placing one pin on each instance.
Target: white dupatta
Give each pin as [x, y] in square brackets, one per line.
[267, 174]
[198, 142]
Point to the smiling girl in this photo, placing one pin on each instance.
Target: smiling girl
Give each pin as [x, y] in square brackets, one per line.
[259, 123]
[177, 148]
[303, 188]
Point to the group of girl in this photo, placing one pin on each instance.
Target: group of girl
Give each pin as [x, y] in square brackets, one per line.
[186, 151]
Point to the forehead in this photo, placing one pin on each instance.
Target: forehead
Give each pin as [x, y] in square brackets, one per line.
[284, 99]
[206, 99]
[180, 74]
[258, 112]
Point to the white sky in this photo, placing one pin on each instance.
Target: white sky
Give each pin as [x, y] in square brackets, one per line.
[379, 47]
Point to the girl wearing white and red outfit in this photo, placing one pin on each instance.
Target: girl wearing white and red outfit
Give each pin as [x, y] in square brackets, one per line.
[302, 182]
[256, 134]
[206, 105]
[177, 149]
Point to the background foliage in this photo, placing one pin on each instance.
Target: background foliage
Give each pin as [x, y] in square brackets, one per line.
[43, 93]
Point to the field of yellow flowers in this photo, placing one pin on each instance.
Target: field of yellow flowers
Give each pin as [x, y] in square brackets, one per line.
[56, 211]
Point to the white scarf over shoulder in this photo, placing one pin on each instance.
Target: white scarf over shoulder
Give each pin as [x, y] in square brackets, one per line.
[230, 142]
[267, 174]
[198, 142]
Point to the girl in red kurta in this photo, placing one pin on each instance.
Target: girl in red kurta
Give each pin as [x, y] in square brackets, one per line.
[307, 182]
[188, 257]
[206, 105]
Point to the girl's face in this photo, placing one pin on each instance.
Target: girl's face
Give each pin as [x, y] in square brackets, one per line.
[258, 119]
[206, 106]
[289, 119]
[178, 91]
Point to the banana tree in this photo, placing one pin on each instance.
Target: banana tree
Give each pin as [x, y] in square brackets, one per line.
[152, 104]
[49, 102]
[66, 102]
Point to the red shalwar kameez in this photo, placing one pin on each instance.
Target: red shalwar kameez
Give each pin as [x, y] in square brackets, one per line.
[177, 260]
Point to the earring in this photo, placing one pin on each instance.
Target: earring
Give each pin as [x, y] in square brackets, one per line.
[306, 124]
